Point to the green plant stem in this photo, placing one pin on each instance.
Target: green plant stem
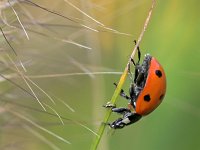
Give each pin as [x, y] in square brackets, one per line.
[108, 112]
[121, 82]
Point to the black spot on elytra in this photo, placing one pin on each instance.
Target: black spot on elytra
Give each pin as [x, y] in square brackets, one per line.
[147, 98]
[161, 96]
[158, 73]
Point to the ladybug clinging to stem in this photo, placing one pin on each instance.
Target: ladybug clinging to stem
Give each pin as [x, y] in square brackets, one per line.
[147, 89]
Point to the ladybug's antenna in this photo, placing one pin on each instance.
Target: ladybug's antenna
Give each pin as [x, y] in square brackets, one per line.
[133, 61]
[139, 53]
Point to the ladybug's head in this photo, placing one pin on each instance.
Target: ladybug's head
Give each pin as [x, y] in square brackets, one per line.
[146, 61]
[147, 57]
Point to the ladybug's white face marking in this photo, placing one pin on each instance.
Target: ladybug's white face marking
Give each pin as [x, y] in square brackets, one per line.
[134, 103]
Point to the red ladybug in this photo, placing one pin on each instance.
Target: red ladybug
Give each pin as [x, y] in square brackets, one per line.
[147, 90]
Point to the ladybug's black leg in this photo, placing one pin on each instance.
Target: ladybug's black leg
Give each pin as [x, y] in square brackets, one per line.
[109, 105]
[137, 68]
[133, 94]
[128, 118]
[133, 62]
[140, 79]
[139, 53]
[123, 94]
[121, 110]
[132, 91]
[117, 124]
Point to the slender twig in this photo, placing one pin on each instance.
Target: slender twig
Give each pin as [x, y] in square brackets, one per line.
[74, 74]
[121, 82]
[8, 41]
[19, 20]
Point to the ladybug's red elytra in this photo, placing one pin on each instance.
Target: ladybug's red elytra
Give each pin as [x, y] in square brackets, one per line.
[147, 90]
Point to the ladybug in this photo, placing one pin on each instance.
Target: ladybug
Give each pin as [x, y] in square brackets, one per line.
[147, 90]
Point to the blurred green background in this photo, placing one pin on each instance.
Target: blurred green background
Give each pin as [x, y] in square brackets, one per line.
[172, 37]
